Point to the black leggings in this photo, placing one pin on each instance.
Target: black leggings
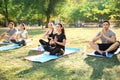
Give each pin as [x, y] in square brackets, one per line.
[20, 43]
[53, 49]
[45, 45]
[57, 51]
[42, 42]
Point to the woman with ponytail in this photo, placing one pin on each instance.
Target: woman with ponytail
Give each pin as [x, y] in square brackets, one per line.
[59, 41]
[22, 36]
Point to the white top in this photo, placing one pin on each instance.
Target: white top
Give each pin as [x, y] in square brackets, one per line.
[23, 34]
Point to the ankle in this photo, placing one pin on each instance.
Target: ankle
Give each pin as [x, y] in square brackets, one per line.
[105, 53]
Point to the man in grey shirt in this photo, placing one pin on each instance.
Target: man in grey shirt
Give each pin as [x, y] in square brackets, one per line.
[9, 34]
[108, 39]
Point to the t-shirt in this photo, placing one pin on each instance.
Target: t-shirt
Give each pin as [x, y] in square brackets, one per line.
[60, 38]
[108, 34]
[11, 32]
[23, 34]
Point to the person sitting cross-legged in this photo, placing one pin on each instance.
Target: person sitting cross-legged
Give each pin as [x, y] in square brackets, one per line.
[59, 41]
[49, 34]
[108, 38]
[22, 36]
[10, 34]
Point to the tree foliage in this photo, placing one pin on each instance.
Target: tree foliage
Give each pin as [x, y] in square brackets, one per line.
[68, 11]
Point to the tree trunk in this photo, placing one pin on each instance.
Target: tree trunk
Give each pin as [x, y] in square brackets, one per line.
[6, 20]
[47, 20]
[39, 22]
[6, 12]
[42, 22]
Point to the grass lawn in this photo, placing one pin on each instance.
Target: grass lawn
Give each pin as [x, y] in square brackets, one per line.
[77, 66]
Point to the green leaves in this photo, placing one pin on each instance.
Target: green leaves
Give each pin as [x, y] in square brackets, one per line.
[39, 11]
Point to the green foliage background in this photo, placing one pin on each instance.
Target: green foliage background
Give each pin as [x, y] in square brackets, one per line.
[68, 11]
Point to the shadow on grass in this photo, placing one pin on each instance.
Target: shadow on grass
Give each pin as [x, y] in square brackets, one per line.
[48, 71]
[99, 64]
[43, 70]
[2, 45]
[32, 52]
[2, 76]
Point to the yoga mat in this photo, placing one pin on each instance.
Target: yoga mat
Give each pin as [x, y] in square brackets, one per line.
[110, 55]
[9, 47]
[46, 57]
[5, 42]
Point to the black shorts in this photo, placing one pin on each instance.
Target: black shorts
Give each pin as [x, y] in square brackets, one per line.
[104, 47]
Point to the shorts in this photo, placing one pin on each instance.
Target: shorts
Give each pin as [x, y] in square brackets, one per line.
[104, 47]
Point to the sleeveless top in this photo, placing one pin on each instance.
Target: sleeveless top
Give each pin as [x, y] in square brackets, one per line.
[51, 35]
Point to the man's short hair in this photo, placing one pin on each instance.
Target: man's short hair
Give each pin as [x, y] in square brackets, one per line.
[12, 23]
[106, 22]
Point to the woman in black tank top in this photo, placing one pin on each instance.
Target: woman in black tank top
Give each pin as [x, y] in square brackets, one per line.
[49, 34]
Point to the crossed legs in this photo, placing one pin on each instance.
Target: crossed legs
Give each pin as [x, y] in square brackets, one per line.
[112, 47]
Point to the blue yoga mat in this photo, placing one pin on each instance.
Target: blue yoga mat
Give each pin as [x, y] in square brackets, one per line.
[110, 55]
[12, 46]
[9, 47]
[5, 42]
[46, 57]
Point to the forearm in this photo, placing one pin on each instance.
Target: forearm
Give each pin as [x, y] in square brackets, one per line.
[95, 39]
[60, 43]
[3, 34]
[13, 36]
[110, 39]
[45, 35]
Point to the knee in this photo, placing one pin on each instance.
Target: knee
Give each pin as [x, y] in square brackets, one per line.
[117, 43]
[47, 48]
[2, 35]
[90, 42]
[40, 40]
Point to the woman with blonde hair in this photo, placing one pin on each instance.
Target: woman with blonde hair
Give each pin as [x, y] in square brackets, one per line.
[49, 34]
